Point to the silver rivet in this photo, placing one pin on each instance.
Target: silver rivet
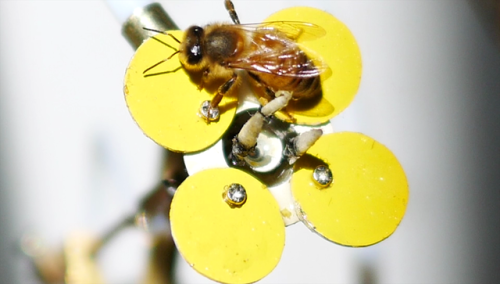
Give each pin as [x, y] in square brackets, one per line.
[322, 176]
[235, 195]
[214, 113]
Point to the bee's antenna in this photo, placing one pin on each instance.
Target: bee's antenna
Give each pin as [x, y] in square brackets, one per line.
[232, 12]
[160, 32]
[160, 62]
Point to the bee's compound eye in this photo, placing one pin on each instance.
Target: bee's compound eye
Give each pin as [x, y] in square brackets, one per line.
[194, 44]
[194, 54]
[198, 30]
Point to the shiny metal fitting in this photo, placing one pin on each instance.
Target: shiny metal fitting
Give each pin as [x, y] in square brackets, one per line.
[235, 195]
[208, 113]
[322, 175]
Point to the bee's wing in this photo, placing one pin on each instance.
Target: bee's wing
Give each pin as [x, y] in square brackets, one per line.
[266, 61]
[294, 30]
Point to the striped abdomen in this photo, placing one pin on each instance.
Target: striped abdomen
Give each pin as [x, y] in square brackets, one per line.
[293, 65]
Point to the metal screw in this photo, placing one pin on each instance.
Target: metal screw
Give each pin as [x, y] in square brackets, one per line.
[322, 176]
[235, 195]
[214, 112]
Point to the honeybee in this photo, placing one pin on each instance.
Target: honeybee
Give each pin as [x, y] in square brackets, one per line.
[268, 52]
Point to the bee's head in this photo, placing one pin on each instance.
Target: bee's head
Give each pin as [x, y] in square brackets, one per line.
[192, 49]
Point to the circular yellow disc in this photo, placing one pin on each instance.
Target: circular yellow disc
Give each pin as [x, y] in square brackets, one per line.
[368, 196]
[338, 48]
[227, 244]
[165, 103]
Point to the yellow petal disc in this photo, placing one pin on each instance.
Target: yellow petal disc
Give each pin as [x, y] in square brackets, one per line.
[165, 103]
[338, 48]
[367, 198]
[225, 243]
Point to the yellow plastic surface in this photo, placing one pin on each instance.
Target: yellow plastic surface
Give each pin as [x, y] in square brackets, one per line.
[368, 197]
[228, 245]
[166, 105]
[338, 48]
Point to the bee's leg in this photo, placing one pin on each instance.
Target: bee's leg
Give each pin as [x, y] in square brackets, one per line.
[221, 92]
[270, 95]
[203, 79]
[289, 117]
[230, 8]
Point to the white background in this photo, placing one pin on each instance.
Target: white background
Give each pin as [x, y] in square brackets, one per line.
[72, 158]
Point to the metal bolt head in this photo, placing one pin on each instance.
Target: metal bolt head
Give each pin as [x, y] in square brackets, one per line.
[235, 195]
[322, 176]
[205, 109]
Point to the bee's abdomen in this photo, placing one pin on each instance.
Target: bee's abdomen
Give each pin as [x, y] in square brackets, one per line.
[305, 87]
[300, 86]
[290, 69]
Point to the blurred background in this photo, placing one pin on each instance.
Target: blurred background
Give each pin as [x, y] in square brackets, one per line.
[72, 159]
